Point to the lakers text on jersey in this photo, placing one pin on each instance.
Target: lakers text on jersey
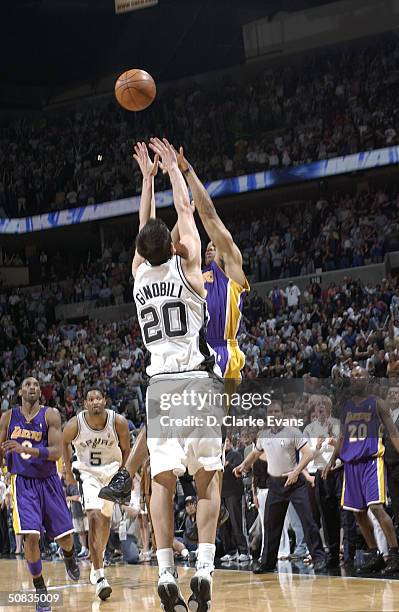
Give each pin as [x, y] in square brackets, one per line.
[32, 433]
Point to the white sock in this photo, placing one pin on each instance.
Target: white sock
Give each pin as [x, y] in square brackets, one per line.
[165, 558]
[206, 554]
[184, 553]
[99, 574]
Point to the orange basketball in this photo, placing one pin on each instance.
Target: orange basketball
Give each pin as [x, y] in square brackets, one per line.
[135, 89]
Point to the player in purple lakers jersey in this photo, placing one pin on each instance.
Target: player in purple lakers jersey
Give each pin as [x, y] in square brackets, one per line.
[361, 450]
[30, 440]
[224, 279]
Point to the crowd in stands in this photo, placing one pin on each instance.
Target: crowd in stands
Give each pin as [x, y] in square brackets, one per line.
[338, 232]
[334, 232]
[322, 331]
[332, 104]
[65, 358]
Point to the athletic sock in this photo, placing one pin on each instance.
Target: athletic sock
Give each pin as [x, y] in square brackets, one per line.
[38, 583]
[184, 553]
[206, 555]
[35, 567]
[99, 574]
[165, 559]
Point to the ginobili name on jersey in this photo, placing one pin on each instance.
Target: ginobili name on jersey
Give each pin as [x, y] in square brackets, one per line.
[160, 289]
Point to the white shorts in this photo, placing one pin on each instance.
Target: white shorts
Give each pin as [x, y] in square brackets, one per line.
[92, 481]
[195, 444]
[177, 455]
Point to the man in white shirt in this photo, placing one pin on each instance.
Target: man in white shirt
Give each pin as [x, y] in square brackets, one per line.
[322, 434]
[292, 293]
[286, 484]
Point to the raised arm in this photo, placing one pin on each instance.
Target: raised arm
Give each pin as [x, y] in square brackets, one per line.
[175, 235]
[149, 170]
[228, 254]
[189, 237]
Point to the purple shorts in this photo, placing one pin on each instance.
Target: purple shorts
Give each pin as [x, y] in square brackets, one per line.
[39, 505]
[364, 484]
[229, 358]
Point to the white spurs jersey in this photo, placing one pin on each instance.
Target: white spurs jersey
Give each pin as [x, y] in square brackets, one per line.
[172, 317]
[96, 450]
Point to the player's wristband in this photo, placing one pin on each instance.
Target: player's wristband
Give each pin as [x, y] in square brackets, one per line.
[43, 452]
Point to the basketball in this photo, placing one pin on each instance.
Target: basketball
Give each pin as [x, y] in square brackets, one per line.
[135, 89]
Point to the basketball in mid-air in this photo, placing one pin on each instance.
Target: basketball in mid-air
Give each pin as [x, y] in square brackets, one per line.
[135, 89]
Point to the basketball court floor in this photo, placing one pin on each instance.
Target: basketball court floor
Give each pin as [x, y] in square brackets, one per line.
[134, 588]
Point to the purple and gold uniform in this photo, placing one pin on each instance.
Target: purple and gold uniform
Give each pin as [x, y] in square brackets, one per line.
[39, 502]
[362, 453]
[224, 300]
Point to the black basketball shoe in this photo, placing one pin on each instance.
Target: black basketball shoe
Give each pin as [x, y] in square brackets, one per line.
[71, 565]
[392, 564]
[373, 561]
[119, 488]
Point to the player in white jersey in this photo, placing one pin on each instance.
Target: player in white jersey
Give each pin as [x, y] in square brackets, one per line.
[101, 442]
[172, 318]
[170, 299]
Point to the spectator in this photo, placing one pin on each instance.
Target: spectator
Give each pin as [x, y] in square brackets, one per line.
[233, 538]
[292, 294]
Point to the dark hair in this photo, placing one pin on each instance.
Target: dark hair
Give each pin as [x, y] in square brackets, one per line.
[94, 388]
[153, 242]
[27, 378]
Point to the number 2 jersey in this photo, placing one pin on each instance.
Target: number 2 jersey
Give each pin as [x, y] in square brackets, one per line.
[362, 431]
[31, 433]
[172, 318]
[97, 451]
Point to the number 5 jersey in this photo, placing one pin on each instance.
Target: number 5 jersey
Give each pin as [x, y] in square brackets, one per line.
[97, 451]
[173, 319]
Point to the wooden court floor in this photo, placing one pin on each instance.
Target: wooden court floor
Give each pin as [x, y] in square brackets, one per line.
[134, 588]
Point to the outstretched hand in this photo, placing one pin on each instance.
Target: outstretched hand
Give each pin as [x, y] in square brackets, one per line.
[148, 168]
[165, 152]
[181, 160]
